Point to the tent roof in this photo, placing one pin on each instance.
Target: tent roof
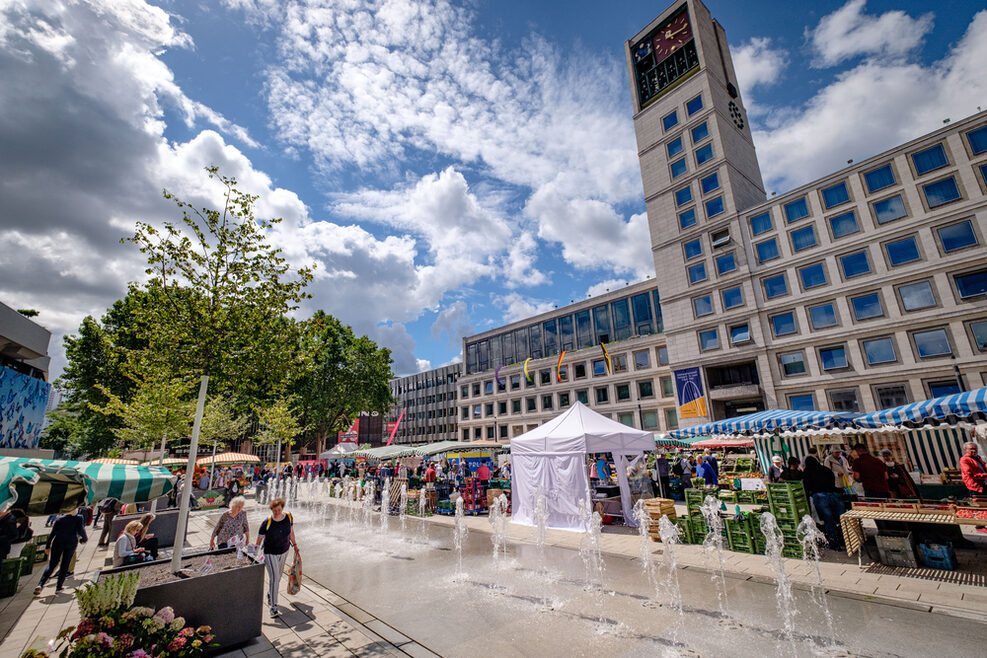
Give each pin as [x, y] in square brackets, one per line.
[762, 421]
[228, 458]
[969, 406]
[338, 450]
[580, 429]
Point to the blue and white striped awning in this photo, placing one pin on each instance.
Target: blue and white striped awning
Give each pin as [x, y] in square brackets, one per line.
[969, 407]
[767, 421]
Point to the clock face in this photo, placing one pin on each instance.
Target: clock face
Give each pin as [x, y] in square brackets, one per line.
[664, 56]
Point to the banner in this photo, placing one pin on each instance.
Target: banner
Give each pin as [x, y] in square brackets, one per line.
[23, 401]
[689, 387]
[352, 435]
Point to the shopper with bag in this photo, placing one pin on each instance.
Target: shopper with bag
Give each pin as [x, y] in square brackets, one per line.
[277, 533]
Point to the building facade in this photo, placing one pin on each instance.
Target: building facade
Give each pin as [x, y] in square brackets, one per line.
[429, 403]
[24, 387]
[861, 290]
[566, 362]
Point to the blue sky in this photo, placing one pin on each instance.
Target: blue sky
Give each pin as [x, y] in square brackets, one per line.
[447, 166]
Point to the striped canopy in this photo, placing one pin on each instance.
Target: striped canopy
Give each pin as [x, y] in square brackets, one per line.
[228, 458]
[766, 421]
[12, 475]
[969, 406]
[114, 460]
[167, 461]
[61, 485]
[724, 443]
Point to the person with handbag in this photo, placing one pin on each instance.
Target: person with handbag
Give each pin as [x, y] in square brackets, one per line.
[231, 524]
[277, 534]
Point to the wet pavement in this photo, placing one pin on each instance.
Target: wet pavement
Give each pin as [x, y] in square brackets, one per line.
[546, 603]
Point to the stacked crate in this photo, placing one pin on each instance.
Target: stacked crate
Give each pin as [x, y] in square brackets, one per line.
[739, 534]
[788, 503]
[656, 508]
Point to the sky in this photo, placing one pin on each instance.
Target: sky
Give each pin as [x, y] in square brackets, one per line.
[447, 167]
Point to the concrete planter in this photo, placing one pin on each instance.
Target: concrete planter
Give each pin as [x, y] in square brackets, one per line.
[230, 601]
[164, 526]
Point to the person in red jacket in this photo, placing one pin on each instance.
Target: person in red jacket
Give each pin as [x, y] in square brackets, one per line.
[974, 472]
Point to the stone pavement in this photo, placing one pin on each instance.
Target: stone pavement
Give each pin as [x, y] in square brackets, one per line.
[315, 622]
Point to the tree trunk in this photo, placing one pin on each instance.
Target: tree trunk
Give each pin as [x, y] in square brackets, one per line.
[287, 452]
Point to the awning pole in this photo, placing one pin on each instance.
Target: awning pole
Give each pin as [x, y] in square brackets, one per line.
[176, 558]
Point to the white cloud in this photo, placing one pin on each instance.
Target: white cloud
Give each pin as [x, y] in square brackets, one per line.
[757, 64]
[516, 307]
[606, 286]
[453, 322]
[848, 32]
[870, 108]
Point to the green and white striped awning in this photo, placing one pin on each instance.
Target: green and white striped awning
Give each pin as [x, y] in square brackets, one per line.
[788, 446]
[932, 450]
[62, 484]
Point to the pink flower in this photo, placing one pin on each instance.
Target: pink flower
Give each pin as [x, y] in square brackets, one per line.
[176, 644]
[165, 615]
[104, 640]
[125, 641]
[140, 653]
[203, 629]
[187, 631]
[208, 637]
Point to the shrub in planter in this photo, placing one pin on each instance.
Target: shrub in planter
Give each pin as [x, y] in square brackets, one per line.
[110, 628]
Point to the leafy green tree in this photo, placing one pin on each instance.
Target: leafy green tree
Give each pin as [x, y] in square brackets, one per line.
[159, 410]
[339, 375]
[63, 428]
[221, 294]
[279, 425]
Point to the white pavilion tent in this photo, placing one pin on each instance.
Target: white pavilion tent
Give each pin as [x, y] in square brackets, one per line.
[552, 457]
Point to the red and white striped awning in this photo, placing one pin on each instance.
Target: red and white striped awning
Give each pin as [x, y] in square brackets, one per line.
[228, 458]
[724, 443]
[168, 461]
[114, 460]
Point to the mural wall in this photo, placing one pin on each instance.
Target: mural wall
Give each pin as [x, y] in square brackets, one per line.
[23, 401]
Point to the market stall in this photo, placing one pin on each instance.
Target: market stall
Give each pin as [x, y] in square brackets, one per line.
[551, 459]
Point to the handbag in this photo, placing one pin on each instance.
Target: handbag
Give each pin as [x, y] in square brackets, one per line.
[295, 575]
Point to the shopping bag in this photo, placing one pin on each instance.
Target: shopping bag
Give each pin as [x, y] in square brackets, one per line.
[295, 575]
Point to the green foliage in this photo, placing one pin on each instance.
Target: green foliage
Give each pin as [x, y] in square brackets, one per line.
[220, 422]
[159, 408]
[278, 423]
[28, 312]
[221, 293]
[111, 593]
[339, 375]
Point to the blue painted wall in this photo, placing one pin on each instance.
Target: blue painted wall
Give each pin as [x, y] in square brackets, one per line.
[22, 409]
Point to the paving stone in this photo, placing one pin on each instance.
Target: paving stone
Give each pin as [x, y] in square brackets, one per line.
[416, 650]
[256, 646]
[390, 634]
[356, 613]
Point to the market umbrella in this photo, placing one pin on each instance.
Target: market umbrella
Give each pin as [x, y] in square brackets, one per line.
[168, 461]
[114, 460]
[228, 458]
[12, 474]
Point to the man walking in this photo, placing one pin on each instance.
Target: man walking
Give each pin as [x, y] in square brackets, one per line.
[65, 536]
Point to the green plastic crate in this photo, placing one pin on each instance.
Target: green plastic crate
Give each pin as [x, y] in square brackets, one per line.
[28, 555]
[10, 573]
[685, 529]
[694, 499]
[792, 550]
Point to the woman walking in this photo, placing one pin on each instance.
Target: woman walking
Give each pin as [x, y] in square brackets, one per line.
[232, 524]
[66, 533]
[277, 533]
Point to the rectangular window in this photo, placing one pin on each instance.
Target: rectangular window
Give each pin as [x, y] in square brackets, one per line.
[796, 210]
[477, 410]
[626, 419]
[867, 307]
[671, 420]
[775, 286]
[488, 388]
[844, 224]
[941, 192]
[584, 330]
[694, 105]
[650, 420]
[760, 223]
[566, 333]
[659, 323]
[642, 359]
[802, 402]
[563, 373]
[531, 404]
[725, 264]
[546, 376]
[683, 196]
[674, 147]
[693, 248]
[889, 209]
[932, 343]
[662, 355]
[501, 408]
[891, 396]
[515, 382]
[902, 251]
[667, 388]
[740, 334]
[844, 401]
[599, 367]
[582, 396]
[645, 390]
[971, 284]
[464, 392]
[835, 195]
[704, 154]
[603, 395]
[700, 132]
[620, 311]
[678, 168]
[546, 402]
[878, 179]
[979, 331]
[983, 172]
[916, 296]
[697, 273]
[783, 324]
[957, 236]
[601, 321]
[465, 413]
[476, 389]
[879, 350]
[563, 400]
[488, 409]
[579, 371]
[977, 140]
[803, 238]
[641, 307]
[942, 389]
[709, 340]
[550, 334]
[855, 264]
[833, 358]
[767, 250]
[930, 159]
[714, 207]
[687, 218]
[619, 362]
[623, 392]
[720, 238]
[813, 276]
[710, 183]
[732, 298]
[793, 363]
[670, 120]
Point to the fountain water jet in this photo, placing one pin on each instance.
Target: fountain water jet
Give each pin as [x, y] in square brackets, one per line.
[714, 542]
[498, 523]
[368, 505]
[809, 536]
[459, 532]
[385, 506]
[422, 511]
[775, 542]
[403, 512]
[643, 518]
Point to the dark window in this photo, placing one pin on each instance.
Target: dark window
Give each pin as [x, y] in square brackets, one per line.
[521, 339]
[546, 376]
[515, 382]
[563, 400]
[584, 330]
[793, 363]
[670, 120]
[507, 348]
[978, 140]
[835, 195]
[683, 196]
[699, 133]
[694, 105]
[704, 154]
[679, 167]
[844, 401]
[879, 179]
[602, 395]
[645, 389]
[972, 284]
[902, 251]
[659, 323]
[866, 307]
[737, 374]
[641, 307]
[515, 406]
[803, 402]
[546, 402]
[760, 223]
[566, 333]
[531, 404]
[845, 224]
[601, 321]
[534, 336]
[714, 207]
[582, 396]
[930, 159]
[621, 319]
[941, 389]
[550, 333]
[623, 392]
[941, 192]
[725, 264]
[891, 396]
[688, 218]
[693, 248]
[796, 210]
[674, 147]
[803, 238]
[579, 370]
[709, 183]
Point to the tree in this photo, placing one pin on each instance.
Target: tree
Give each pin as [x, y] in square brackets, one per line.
[158, 411]
[340, 375]
[29, 312]
[220, 422]
[221, 294]
[278, 425]
[63, 429]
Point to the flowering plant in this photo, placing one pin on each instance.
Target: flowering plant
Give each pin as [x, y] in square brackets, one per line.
[135, 633]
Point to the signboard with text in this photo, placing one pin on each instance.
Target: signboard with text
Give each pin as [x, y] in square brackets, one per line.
[689, 389]
[351, 435]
